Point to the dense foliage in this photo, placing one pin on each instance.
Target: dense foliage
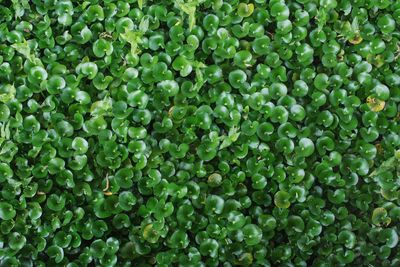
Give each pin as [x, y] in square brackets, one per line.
[199, 133]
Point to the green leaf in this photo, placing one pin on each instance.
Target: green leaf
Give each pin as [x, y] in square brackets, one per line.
[55, 252]
[140, 3]
[7, 211]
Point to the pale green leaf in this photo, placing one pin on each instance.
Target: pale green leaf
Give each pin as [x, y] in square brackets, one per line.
[387, 165]
[9, 93]
[144, 25]
[355, 26]
[19, 9]
[23, 49]
[227, 142]
[134, 38]
[101, 108]
[232, 131]
[322, 18]
[7, 131]
[189, 8]
[84, 5]
[2, 131]
[232, 137]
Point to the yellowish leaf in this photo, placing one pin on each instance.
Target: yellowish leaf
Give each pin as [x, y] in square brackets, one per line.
[147, 230]
[356, 40]
[375, 104]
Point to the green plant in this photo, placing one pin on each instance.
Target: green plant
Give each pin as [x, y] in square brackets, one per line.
[199, 133]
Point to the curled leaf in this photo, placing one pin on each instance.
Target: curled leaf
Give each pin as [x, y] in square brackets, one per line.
[379, 217]
[375, 104]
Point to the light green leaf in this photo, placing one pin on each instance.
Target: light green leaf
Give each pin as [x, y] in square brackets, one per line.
[101, 108]
[23, 49]
[84, 5]
[233, 132]
[134, 38]
[387, 165]
[189, 8]
[144, 25]
[5, 131]
[9, 93]
[227, 142]
[2, 131]
[355, 26]
[19, 7]
[199, 74]
[232, 137]
[322, 17]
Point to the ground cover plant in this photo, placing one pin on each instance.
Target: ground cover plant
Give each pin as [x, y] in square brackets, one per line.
[199, 133]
